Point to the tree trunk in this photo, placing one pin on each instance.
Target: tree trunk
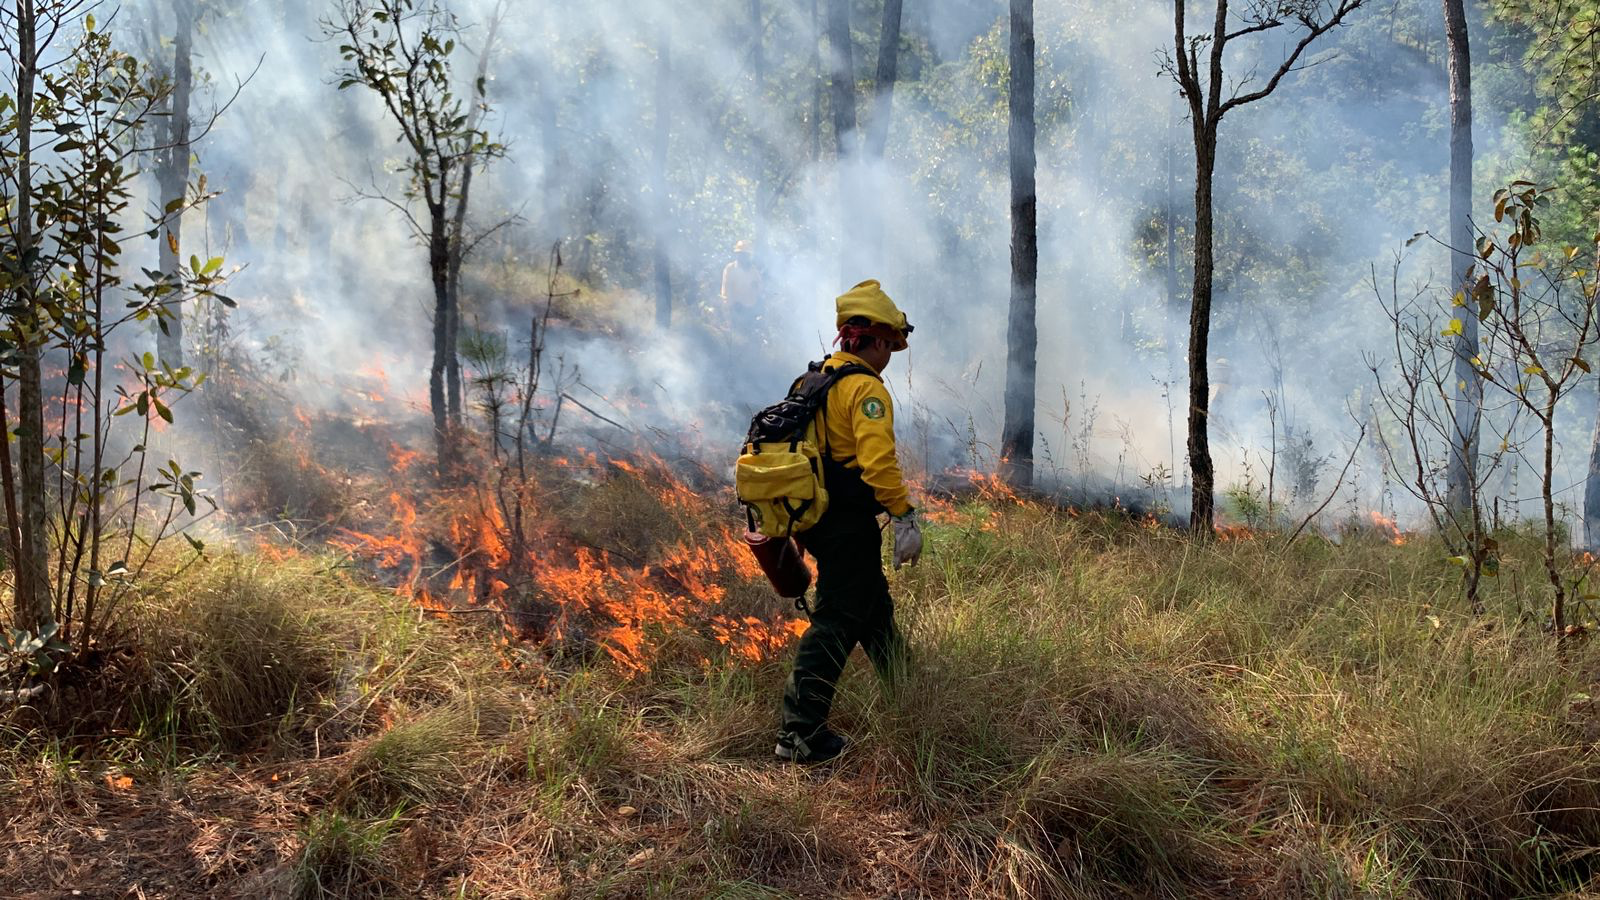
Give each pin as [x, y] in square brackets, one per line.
[919, 36]
[452, 338]
[1174, 300]
[842, 97]
[758, 88]
[439, 270]
[758, 56]
[458, 228]
[1591, 491]
[173, 179]
[883, 93]
[816, 84]
[1552, 567]
[1462, 474]
[1202, 508]
[1016, 444]
[34, 608]
[658, 179]
[557, 204]
[841, 78]
[1174, 310]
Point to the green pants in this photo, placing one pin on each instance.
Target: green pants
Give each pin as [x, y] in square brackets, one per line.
[852, 606]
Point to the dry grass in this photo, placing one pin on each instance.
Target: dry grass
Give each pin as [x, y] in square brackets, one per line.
[1093, 709]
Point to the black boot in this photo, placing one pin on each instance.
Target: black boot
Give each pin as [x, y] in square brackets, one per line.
[819, 747]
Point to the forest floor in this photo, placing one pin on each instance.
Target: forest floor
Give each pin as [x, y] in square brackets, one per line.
[1095, 707]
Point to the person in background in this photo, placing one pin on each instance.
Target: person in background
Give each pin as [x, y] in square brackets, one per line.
[742, 292]
[862, 475]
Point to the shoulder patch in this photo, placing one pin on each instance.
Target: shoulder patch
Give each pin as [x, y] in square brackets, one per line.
[873, 408]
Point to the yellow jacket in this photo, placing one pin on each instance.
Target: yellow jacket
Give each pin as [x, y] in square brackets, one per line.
[859, 417]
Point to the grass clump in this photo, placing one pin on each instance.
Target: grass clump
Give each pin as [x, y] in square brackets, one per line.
[236, 656]
[345, 857]
[425, 759]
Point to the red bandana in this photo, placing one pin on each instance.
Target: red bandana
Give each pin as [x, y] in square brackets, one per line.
[886, 333]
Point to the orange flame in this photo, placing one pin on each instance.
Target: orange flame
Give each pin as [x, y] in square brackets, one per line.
[453, 546]
[1229, 534]
[1387, 527]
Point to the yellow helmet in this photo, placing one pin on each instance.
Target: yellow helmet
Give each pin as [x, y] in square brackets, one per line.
[868, 301]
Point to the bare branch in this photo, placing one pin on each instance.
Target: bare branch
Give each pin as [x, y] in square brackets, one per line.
[1314, 30]
[1355, 448]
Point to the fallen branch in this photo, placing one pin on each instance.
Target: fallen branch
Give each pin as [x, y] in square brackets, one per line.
[578, 403]
[24, 695]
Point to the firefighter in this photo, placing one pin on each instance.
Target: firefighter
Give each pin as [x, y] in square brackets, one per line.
[852, 604]
[741, 288]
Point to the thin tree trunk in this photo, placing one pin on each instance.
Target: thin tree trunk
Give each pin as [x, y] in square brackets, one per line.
[8, 483]
[34, 608]
[1558, 602]
[883, 88]
[1016, 446]
[758, 88]
[842, 78]
[1462, 474]
[173, 178]
[842, 97]
[97, 486]
[758, 56]
[439, 268]
[1206, 109]
[658, 178]
[1174, 301]
[458, 226]
[816, 84]
[1174, 309]
[1591, 490]
[1202, 509]
[452, 339]
[557, 198]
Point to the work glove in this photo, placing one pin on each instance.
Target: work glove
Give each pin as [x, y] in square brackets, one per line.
[907, 539]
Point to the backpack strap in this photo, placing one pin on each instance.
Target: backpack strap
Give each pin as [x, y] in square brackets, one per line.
[833, 377]
[811, 389]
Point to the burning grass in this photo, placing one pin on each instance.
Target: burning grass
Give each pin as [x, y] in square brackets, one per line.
[1094, 708]
[621, 557]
